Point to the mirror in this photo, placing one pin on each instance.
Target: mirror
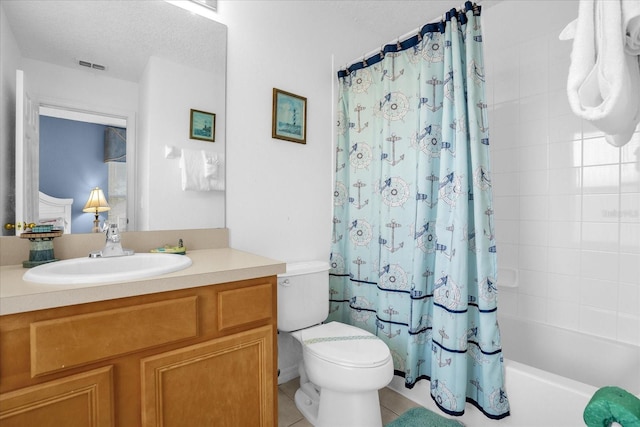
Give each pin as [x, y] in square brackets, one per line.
[143, 63]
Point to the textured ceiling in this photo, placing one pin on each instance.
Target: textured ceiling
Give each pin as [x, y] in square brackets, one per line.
[120, 35]
[394, 18]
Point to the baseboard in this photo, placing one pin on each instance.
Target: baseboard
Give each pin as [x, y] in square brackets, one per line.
[287, 374]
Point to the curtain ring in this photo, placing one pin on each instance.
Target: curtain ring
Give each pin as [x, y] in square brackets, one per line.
[382, 52]
[398, 45]
[364, 61]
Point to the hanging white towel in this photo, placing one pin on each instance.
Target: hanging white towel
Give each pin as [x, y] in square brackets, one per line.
[210, 164]
[604, 80]
[201, 170]
[193, 171]
[216, 180]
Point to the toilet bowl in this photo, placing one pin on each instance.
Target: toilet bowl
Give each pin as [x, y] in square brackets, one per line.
[343, 366]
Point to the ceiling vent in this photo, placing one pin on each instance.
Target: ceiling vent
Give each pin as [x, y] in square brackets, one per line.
[91, 65]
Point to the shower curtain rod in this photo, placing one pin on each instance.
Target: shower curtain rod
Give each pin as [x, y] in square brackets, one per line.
[405, 36]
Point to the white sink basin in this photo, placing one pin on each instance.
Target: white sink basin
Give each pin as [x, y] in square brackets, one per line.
[114, 269]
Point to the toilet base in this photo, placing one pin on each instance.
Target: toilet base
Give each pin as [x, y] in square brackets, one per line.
[337, 409]
[307, 405]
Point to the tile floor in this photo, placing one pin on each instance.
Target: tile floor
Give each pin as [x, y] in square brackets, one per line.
[392, 405]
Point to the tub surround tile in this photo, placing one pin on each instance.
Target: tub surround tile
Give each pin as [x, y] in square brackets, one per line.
[533, 258]
[534, 283]
[596, 151]
[599, 265]
[534, 183]
[629, 299]
[582, 193]
[629, 267]
[534, 108]
[567, 127]
[601, 236]
[564, 287]
[565, 154]
[600, 294]
[564, 181]
[564, 234]
[597, 321]
[629, 328]
[564, 314]
[564, 261]
[630, 177]
[534, 233]
[630, 238]
[601, 207]
[532, 307]
[630, 152]
[604, 179]
[629, 208]
[565, 207]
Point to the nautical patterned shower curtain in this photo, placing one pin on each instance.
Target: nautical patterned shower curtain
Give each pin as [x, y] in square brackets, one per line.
[414, 254]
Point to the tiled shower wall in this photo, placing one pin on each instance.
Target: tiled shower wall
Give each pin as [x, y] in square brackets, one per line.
[567, 204]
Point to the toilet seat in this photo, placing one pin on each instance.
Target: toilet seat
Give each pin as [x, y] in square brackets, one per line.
[345, 345]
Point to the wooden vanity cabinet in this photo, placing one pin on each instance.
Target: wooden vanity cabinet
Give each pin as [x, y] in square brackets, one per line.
[204, 356]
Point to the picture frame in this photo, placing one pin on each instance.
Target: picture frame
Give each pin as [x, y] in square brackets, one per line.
[289, 117]
[202, 126]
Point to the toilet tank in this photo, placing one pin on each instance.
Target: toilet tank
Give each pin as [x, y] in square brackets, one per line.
[303, 295]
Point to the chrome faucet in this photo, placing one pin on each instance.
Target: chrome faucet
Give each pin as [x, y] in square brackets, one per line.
[112, 246]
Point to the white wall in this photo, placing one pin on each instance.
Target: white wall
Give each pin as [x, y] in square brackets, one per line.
[279, 193]
[164, 111]
[79, 88]
[567, 203]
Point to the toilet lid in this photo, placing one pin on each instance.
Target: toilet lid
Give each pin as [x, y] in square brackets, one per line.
[345, 345]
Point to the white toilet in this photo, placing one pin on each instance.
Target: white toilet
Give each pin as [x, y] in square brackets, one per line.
[343, 366]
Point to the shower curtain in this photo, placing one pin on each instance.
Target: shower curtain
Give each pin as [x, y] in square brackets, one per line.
[413, 256]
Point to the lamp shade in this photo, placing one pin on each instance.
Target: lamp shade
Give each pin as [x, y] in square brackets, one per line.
[97, 202]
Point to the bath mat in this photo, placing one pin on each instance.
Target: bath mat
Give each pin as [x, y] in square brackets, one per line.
[421, 417]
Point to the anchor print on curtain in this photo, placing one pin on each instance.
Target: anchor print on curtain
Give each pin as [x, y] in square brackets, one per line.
[413, 256]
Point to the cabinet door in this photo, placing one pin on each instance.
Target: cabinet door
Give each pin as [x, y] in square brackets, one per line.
[81, 400]
[223, 382]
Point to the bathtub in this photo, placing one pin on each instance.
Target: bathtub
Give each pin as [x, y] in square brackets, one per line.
[547, 388]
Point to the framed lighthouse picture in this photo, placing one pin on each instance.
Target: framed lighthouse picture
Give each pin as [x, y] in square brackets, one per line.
[289, 117]
[202, 126]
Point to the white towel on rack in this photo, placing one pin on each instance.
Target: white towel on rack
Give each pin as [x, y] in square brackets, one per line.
[210, 164]
[216, 180]
[604, 80]
[202, 170]
[193, 171]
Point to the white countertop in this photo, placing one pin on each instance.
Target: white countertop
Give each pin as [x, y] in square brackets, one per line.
[210, 267]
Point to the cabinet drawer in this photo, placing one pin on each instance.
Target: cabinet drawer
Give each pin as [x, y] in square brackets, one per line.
[76, 340]
[241, 306]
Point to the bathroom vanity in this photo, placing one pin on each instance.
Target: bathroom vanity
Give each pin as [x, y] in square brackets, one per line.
[190, 348]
